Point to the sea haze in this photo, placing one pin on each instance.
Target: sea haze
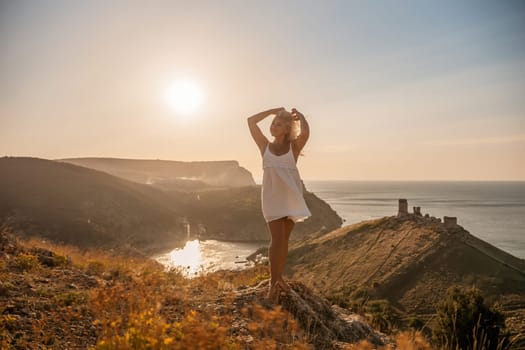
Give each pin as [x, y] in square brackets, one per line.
[492, 211]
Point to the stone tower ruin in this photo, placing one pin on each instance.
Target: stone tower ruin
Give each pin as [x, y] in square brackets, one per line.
[403, 208]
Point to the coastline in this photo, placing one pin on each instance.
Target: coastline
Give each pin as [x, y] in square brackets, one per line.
[494, 211]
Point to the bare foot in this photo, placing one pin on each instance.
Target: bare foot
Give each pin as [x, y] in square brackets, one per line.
[273, 293]
[283, 285]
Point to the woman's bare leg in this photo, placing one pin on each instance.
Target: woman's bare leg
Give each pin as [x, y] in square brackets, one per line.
[280, 231]
[288, 227]
[276, 228]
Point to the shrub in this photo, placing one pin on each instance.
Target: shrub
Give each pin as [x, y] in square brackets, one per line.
[415, 322]
[464, 321]
[71, 298]
[25, 262]
[358, 300]
[95, 268]
[59, 260]
[5, 287]
[382, 315]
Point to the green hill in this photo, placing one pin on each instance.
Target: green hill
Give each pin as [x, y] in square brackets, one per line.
[409, 261]
[85, 207]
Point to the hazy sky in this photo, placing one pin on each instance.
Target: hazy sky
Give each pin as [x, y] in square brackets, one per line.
[393, 90]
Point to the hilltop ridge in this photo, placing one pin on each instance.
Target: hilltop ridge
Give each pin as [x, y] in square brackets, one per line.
[409, 260]
[171, 174]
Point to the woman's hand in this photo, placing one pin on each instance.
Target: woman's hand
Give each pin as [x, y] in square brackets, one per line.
[300, 141]
[297, 115]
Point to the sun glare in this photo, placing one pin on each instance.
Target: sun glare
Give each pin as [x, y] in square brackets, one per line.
[189, 257]
[184, 96]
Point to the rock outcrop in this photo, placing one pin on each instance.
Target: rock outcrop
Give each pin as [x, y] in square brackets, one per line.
[328, 326]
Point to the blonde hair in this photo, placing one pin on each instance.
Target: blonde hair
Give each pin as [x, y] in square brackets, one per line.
[295, 125]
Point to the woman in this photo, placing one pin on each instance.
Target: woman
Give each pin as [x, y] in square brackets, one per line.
[282, 190]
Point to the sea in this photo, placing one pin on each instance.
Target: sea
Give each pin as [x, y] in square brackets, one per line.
[491, 210]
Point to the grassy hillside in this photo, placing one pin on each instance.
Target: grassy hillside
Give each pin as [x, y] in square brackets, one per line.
[85, 207]
[410, 262]
[57, 297]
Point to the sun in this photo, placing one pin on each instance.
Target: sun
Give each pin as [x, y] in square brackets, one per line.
[184, 96]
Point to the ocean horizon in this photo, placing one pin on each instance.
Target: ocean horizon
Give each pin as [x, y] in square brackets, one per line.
[491, 210]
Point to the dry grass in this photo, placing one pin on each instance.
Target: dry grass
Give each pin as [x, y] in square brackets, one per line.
[160, 310]
[135, 304]
[407, 340]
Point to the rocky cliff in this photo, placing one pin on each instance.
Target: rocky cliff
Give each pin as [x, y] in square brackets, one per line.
[171, 175]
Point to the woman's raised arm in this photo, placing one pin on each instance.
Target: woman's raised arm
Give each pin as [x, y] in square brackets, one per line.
[300, 141]
[256, 132]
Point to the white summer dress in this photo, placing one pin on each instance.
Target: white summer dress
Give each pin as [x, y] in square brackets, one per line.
[282, 189]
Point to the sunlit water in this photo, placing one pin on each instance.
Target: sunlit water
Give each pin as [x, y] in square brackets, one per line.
[200, 257]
